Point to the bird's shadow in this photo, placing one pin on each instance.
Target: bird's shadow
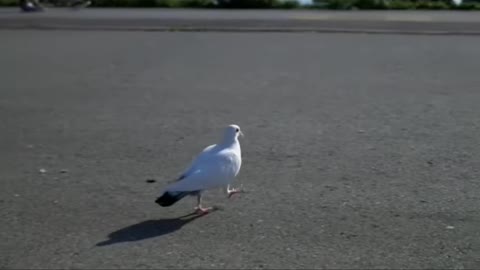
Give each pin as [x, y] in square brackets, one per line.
[148, 229]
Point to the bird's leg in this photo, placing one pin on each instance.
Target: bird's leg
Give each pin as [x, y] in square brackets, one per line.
[231, 191]
[199, 207]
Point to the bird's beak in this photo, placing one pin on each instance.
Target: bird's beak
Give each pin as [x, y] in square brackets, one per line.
[241, 134]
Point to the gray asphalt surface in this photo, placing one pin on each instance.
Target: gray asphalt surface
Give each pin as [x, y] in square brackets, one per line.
[404, 22]
[361, 151]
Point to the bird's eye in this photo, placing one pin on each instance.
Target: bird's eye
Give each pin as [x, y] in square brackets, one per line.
[237, 130]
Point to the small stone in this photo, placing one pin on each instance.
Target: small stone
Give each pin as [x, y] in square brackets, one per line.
[55, 202]
[42, 170]
[450, 227]
[30, 146]
[16, 195]
[64, 171]
[361, 131]
[151, 181]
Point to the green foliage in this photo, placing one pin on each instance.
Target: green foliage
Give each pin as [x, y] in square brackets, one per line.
[8, 3]
[283, 4]
[468, 6]
[432, 5]
[247, 3]
[153, 3]
[355, 4]
[396, 4]
[339, 4]
[187, 3]
[369, 4]
[289, 4]
[400, 4]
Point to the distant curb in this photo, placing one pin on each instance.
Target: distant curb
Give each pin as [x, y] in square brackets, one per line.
[243, 30]
[285, 26]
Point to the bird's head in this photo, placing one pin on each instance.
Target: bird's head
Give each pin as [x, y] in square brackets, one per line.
[232, 132]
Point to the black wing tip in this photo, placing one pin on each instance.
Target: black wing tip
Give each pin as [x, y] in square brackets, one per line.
[166, 200]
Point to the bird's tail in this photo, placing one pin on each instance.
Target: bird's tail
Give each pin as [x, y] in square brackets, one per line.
[169, 198]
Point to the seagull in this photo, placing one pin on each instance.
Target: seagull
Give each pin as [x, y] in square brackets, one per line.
[216, 166]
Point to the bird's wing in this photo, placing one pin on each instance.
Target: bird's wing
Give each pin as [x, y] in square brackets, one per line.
[198, 180]
[209, 173]
[195, 162]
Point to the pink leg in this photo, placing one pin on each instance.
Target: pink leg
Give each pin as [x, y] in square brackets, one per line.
[232, 191]
[203, 210]
[199, 208]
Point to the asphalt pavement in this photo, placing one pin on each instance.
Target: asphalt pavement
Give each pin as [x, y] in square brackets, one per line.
[393, 22]
[360, 151]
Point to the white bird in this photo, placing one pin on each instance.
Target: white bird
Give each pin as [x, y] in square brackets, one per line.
[216, 166]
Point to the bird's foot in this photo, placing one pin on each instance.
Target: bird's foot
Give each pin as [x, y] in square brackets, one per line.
[232, 191]
[203, 210]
